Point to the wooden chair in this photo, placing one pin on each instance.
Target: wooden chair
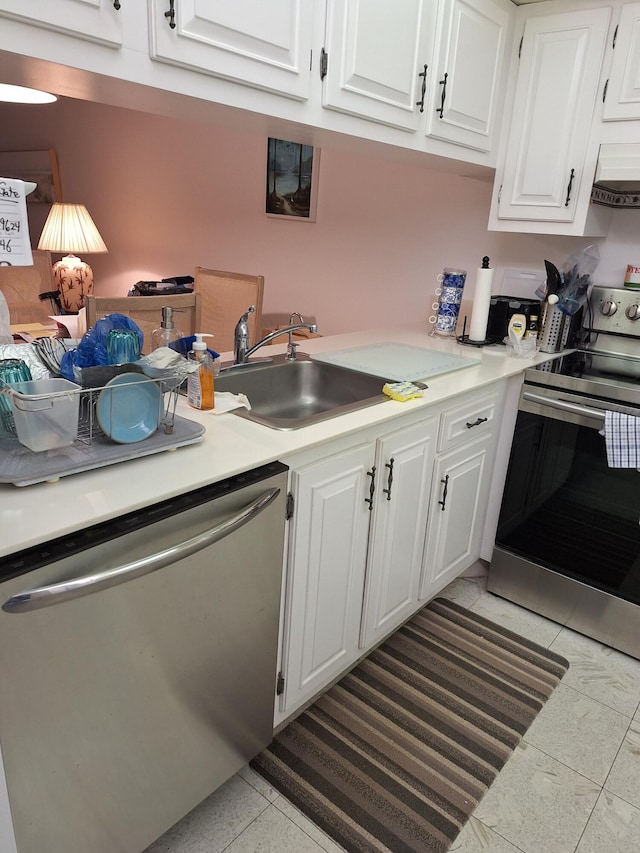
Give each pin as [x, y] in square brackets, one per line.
[146, 311]
[22, 286]
[225, 297]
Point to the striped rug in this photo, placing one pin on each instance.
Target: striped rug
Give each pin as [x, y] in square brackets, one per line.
[398, 753]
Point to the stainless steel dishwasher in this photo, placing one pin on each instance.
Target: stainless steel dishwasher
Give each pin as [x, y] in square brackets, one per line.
[138, 663]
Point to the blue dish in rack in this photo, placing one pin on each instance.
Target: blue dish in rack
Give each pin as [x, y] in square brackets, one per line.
[129, 408]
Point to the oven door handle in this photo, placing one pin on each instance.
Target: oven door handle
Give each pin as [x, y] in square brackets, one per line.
[564, 406]
[45, 596]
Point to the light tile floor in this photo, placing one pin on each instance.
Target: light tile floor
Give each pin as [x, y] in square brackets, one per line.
[571, 786]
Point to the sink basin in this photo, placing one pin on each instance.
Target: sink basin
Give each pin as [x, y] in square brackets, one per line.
[288, 395]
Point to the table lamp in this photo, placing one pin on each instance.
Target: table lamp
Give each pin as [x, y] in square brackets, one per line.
[69, 228]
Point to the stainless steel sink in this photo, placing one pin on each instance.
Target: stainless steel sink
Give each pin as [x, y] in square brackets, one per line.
[288, 395]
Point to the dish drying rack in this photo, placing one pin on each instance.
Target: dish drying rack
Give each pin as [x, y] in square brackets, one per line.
[92, 449]
[88, 427]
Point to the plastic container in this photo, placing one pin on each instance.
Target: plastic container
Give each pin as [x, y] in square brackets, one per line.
[200, 383]
[167, 334]
[45, 412]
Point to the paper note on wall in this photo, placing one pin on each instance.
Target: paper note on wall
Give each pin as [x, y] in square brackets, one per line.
[15, 243]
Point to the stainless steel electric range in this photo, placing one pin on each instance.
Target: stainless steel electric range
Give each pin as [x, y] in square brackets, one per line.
[568, 538]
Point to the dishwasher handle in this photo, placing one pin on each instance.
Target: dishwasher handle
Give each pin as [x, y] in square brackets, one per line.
[45, 596]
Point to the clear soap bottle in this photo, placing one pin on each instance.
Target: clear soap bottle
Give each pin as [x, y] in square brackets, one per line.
[167, 333]
[200, 382]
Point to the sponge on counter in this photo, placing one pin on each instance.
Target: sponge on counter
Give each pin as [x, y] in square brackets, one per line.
[402, 391]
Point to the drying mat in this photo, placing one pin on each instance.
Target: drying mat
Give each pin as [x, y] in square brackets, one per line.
[400, 362]
[397, 754]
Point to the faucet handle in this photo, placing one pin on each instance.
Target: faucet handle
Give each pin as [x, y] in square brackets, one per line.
[245, 316]
[291, 350]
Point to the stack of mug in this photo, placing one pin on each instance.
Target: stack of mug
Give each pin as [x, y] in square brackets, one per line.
[449, 293]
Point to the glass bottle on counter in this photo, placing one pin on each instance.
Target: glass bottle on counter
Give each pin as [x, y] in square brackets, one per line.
[167, 333]
[200, 392]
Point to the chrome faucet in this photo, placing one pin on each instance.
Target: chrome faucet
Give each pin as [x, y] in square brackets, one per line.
[242, 350]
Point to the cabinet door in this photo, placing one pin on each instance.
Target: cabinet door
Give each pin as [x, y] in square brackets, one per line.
[266, 45]
[376, 52]
[623, 89]
[554, 100]
[461, 483]
[469, 74]
[95, 20]
[327, 558]
[404, 466]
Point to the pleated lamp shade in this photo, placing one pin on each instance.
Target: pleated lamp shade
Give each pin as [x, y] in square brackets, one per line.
[69, 228]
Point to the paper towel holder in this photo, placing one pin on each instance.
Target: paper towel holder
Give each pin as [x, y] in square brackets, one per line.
[466, 339]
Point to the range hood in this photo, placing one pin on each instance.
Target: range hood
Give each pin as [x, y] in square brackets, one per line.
[617, 180]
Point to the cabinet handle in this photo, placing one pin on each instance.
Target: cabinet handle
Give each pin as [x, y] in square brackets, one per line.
[443, 83]
[444, 492]
[372, 487]
[389, 465]
[422, 74]
[171, 14]
[116, 5]
[573, 171]
[476, 423]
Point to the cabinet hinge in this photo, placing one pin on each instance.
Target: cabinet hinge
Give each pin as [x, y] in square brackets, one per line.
[615, 36]
[324, 61]
[520, 46]
[311, 60]
[290, 505]
[604, 91]
[280, 684]
[500, 194]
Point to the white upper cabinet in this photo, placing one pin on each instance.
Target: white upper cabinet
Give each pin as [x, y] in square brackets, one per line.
[469, 72]
[95, 20]
[260, 44]
[623, 89]
[379, 57]
[546, 175]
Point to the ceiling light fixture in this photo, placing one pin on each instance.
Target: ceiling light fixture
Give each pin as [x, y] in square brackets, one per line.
[23, 95]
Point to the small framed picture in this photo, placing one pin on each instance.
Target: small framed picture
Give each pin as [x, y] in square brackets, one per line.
[292, 180]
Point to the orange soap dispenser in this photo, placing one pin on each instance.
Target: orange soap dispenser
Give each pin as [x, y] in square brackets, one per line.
[200, 382]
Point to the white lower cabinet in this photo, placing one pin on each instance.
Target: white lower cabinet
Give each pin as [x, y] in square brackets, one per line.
[461, 483]
[404, 463]
[370, 540]
[325, 575]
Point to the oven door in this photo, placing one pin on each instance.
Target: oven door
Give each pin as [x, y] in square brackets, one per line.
[568, 539]
[563, 508]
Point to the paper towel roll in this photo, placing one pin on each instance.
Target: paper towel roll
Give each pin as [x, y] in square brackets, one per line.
[481, 302]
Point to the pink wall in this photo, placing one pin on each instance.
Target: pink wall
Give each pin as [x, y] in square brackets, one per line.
[169, 195]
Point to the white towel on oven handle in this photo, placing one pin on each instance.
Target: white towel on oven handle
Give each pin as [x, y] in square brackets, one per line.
[622, 440]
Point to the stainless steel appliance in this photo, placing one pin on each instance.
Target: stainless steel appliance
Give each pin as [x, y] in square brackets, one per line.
[138, 663]
[568, 539]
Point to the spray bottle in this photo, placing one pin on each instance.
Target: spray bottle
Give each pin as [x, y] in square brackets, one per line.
[200, 382]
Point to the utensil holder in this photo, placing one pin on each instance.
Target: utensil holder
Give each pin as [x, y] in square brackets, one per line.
[555, 330]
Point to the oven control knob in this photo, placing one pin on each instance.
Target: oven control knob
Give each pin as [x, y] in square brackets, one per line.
[633, 312]
[608, 307]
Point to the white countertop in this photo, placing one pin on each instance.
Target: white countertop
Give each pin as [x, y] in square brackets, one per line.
[34, 514]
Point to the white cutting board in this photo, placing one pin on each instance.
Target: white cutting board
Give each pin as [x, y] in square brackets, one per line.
[399, 362]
